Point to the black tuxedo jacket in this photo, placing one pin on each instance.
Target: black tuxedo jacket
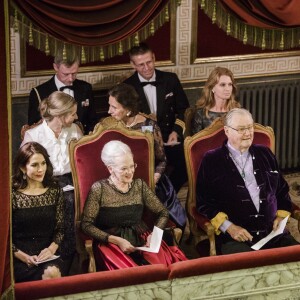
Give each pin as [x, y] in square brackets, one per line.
[171, 101]
[82, 92]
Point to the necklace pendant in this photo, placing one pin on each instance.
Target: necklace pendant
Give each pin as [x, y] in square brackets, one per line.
[243, 174]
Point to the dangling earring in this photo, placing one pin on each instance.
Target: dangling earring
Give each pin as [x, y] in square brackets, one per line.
[128, 114]
[213, 91]
[24, 176]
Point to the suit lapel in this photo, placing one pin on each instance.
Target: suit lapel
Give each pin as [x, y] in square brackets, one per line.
[160, 93]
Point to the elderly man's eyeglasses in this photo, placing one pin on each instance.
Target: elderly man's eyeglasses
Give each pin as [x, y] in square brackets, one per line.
[242, 130]
[124, 170]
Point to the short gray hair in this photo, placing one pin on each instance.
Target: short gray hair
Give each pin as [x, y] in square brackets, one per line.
[114, 149]
[236, 111]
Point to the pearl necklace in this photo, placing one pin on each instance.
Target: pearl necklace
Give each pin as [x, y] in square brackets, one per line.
[241, 167]
[115, 185]
[132, 123]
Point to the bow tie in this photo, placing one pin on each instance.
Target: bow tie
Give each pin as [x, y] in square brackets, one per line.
[70, 87]
[144, 83]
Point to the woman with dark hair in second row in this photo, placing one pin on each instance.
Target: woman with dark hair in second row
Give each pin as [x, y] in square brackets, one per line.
[124, 107]
[37, 215]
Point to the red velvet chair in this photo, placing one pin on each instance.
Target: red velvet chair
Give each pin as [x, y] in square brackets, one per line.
[87, 168]
[194, 148]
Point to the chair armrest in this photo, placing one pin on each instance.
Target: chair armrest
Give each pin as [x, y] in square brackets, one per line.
[175, 231]
[205, 224]
[89, 250]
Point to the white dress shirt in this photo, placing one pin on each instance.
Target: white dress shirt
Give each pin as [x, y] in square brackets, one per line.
[150, 92]
[59, 84]
[57, 148]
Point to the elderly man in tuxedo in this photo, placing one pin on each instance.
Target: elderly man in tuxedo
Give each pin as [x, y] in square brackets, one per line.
[65, 80]
[161, 95]
[241, 190]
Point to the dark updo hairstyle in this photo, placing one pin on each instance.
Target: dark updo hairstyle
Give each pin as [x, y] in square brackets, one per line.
[127, 96]
[22, 158]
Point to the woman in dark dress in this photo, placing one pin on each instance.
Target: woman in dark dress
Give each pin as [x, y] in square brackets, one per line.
[113, 212]
[37, 216]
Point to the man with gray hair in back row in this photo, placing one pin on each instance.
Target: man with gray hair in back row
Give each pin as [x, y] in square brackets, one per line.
[241, 189]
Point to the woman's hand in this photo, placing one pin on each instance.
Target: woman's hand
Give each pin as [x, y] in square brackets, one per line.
[156, 177]
[148, 240]
[123, 244]
[27, 259]
[44, 254]
[31, 260]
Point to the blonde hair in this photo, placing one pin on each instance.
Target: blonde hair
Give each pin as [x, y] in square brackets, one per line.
[207, 100]
[114, 149]
[57, 104]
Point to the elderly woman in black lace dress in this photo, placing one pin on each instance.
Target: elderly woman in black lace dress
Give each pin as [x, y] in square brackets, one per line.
[113, 213]
[37, 216]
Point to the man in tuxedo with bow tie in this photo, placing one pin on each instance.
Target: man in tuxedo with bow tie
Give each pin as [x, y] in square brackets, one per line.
[65, 80]
[161, 95]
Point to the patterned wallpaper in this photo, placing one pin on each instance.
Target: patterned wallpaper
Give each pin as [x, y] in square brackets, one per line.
[188, 71]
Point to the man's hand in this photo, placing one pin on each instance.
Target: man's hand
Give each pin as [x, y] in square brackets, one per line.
[173, 137]
[276, 222]
[239, 234]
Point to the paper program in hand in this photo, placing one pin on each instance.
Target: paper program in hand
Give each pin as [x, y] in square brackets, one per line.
[272, 234]
[49, 259]
[155, 241]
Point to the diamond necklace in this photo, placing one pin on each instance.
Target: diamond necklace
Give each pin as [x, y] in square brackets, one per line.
[242, 168]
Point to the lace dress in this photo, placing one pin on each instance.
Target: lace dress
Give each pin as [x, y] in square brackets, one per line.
[37, 221]
[200, 120]
[109, 211]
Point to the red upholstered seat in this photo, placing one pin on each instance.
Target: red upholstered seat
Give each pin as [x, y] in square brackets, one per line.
[87, 168]
[194, 149]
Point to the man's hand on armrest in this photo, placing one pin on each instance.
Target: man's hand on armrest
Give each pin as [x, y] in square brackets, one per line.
[239, 234]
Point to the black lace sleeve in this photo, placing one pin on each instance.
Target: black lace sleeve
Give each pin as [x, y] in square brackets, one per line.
[90, 213]
[153, 204]
[59, 228]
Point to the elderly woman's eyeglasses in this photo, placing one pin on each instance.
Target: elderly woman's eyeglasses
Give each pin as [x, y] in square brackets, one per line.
[242, 130]
[124, 170]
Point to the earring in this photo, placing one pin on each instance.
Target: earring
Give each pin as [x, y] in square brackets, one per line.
[128, 114]
[24, 176]
[213, 91]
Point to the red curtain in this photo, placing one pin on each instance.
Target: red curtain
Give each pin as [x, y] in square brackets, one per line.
[91, 22]
[266, 13]
[92, 29]
[5, 279]
[266, 24]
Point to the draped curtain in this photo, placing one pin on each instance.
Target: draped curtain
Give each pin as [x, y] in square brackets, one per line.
[93, 29]
[267, 24]
[5, 150]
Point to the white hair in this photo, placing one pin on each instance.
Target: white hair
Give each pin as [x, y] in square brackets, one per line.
[114, 149]
[236, 111]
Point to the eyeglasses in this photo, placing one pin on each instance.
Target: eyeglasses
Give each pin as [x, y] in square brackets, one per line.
[242, 130]
[127, 169]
